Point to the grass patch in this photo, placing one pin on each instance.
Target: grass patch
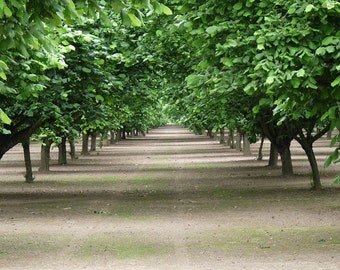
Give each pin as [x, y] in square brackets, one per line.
[28, 244]
[335, 208]
[271, 240]
[200, 166]
[119, 247]
[99, 178]
[106, 245]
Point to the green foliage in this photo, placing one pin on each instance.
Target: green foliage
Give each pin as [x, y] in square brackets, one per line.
[334, 158]
[4, 118]
[99, 65]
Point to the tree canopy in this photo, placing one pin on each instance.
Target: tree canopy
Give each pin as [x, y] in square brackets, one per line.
[262, 67]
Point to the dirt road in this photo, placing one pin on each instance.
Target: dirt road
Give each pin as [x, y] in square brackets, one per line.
[170, 200]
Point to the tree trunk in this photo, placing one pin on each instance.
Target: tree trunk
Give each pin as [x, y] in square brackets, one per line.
[7, 141]
[72, 149]
[214, 136]
[246, 145]
[45, 156]
[28, 163]
[222, 136]
[119, 136]
[260, 154]
[329, 134]
[231, 141]
[210, 133]
[273, 156]
[238, 141]
[123, 134]
[306, 141]
[62, 154]
[85, 144]
[286, 160]
[93, 142]
[314, 166]
[112, 137]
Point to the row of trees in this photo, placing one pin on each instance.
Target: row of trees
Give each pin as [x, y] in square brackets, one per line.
[263, 68]
[71, 67]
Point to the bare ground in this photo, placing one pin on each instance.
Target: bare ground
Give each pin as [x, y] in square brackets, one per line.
[170, 200]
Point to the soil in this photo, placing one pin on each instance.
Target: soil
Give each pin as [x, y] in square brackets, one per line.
[169, 200]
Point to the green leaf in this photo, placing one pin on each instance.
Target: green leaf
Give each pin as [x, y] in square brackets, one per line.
[321, 51]
[125, 17]
[117, 5]
[301, 73]
[86, 70]
[330, 49]
[194, 80]
[3, 76]
[32, 77]
[265, 101]
[212, 30]
[238, 6]
[333, 157]
[99, 98]
[260, 47]
[227, 62]
[329, 4]
[4, 118]
[309, 8]
[157, 7]
[270, 79]
[6, 44]
[295, 82]
[134, 20]
[7, 11]
[292, 9]
[336, 82]
[330, 40]
[166, 10]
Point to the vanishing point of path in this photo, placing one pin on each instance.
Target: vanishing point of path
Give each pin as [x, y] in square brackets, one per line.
[169, 200]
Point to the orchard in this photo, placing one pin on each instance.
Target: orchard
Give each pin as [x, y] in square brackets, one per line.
[264, 69]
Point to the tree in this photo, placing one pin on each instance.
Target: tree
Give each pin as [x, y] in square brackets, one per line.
[276, 53]
[30, 47]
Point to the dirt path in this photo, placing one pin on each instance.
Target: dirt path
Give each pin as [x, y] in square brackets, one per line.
[170, 200]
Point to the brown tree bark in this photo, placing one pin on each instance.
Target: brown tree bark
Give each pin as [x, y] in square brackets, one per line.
[231, 141]
[286, 160]
[316, 185]
[85, 144]
[113, 137]
[238, 145]
[7, 141]
[246, 145]
[123, 134]
[260, 153]
[273, 156]
[222, 136]
[119, 135]
[210, 133]
[72, 149]
[93, 146]
[306, 141]
[28, 163]
[329, 134]
[45, 155]
[62, 154]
